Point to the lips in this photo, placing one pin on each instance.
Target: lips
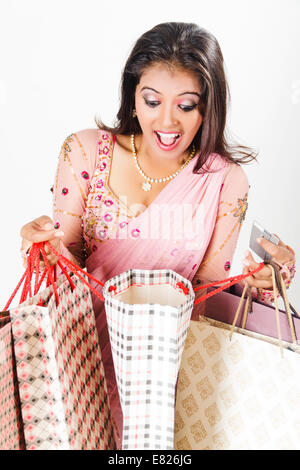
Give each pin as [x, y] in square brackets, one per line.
[167, 140]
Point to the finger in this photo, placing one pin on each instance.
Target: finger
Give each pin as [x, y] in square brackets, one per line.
[249, 279]
[43, 223]
[280, 241]
[278, 252]
[52, 259]
[40, 229]
[258, 283]
[55, 243]
[25, 245]
[264, 274]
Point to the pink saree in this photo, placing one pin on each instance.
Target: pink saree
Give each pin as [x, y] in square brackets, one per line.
[173, 232]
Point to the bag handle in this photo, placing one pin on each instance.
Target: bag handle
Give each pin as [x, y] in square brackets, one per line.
[49, 273]
[33, 264]
[277, 284]
[229, 281]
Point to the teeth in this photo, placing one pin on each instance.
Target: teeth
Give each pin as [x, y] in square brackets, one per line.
[168, 136]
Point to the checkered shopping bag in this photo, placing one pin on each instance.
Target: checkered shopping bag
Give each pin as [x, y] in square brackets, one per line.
[148, 316]
[54, 393]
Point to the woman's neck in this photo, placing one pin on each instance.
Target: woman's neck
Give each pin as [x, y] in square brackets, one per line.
[155, 164]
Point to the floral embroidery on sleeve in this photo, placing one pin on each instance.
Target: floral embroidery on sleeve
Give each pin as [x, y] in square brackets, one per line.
[66, 147]
[239, 210]
[242, 208]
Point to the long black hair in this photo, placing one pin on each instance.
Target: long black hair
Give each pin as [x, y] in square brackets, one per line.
[189, 47]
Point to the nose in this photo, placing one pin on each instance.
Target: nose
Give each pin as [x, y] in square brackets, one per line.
[168, 117]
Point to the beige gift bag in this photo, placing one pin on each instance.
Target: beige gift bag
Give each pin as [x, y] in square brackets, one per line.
[239, 393]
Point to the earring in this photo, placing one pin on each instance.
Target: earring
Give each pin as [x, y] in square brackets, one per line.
[134, 113]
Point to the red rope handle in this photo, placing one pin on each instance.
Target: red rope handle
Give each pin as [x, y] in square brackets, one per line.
[238, 277]
[76, 270]
[50, 270]
[66, 274]
[37, 260]
[14, 292]
[232, 280]
[34, 263]
[74, 266]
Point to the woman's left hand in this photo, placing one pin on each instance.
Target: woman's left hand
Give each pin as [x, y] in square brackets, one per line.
[263, 279]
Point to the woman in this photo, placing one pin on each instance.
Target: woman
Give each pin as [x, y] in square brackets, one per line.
[161, 189]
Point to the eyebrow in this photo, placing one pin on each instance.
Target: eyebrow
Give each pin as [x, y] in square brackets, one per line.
[184, 93]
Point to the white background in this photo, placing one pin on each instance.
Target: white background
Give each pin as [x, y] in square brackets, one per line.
[61, 63]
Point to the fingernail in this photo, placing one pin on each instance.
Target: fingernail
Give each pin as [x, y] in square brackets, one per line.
[59, 234]
[246, 262]
[48, 226]
[259, 240]
[247, 253]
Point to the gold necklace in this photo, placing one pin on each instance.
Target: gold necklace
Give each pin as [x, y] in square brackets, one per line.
[146, 186]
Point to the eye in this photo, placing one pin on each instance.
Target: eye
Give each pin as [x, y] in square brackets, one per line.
[187, 108]
[152, 104]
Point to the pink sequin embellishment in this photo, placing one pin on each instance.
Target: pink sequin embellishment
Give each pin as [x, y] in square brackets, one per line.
[123, 224]
[108, 217]
[57, 225]
[102, 166]
[98, 197]
[108, 202]
[105, 150]
[135, 233]
[227, 266]
[102, 234]
[99, 184]
[65, 191]
[85, 175]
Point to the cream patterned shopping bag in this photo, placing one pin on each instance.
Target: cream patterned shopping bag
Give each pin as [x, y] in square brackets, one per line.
[238, 394]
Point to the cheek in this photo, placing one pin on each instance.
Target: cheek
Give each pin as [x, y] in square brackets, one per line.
[194, 123]
[144, 116]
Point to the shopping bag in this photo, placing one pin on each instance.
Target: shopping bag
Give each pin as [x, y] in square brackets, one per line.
[11, 425]
[235, 390]
[148, 313]
[222, 307]
[59, 371]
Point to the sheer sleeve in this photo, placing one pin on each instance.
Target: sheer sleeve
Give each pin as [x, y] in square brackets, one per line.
[76, 165]
[233, 205]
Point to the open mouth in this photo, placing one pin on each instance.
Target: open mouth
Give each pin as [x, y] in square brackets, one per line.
[167, 139]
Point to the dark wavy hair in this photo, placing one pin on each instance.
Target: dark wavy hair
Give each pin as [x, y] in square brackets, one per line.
[189, 47]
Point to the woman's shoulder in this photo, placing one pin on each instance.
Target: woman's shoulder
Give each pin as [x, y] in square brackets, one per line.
[87, 137]
[233, 171]
[236, 177]
[82, 145]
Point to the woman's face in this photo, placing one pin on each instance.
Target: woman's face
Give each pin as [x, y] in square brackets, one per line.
[166, 106]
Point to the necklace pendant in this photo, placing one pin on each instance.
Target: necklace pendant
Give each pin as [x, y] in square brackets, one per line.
[146, 186]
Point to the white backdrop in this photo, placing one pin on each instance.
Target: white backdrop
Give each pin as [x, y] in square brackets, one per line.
[61, 64]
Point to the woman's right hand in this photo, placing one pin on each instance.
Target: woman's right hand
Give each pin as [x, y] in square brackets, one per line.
[40, 230]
